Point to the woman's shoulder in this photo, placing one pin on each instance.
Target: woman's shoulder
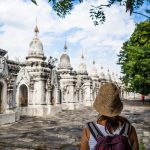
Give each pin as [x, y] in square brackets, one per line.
[134, 139]
[86, 133]
[133, 132]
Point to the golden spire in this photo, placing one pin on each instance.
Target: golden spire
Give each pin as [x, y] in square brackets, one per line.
[82, 57]
[93, 62]
[36, 29]
[65, 46]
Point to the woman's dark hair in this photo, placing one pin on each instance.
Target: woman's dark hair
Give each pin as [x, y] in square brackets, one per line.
[113, 122]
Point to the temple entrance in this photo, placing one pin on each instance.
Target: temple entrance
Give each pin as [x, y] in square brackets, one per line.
[23, 95]
[1, 96]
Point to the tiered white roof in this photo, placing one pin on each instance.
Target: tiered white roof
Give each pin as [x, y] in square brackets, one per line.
[93, 70]
[108, 76]
[113, 77]
[65, 59]
[82, 66]
[36, 46]
[102, 75]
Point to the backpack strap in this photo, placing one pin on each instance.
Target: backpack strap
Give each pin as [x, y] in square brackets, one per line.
[94, 130]
[126, 129]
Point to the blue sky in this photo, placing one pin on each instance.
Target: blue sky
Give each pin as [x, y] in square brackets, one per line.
[102, 43]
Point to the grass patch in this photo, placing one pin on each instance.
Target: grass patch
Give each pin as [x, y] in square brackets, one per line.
[141, 146]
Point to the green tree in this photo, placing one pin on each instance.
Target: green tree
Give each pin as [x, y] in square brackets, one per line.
[134, 59]
[64, 7]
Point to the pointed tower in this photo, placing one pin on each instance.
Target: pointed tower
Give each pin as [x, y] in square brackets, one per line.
[67, 81]
[36, 52]
[35, 91]
[108, 76]
[65, 47]
[93, 70]
[95, 81]
[113, 77]
[82, 67]
[118, 79]
[102, 75]
[83, 83]
[65, 60]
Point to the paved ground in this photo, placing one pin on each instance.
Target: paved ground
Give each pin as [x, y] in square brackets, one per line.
[63, 131]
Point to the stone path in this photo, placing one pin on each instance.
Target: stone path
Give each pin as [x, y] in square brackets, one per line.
[63, 131]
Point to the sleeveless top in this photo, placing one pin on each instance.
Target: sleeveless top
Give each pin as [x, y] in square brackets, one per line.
[92, 142]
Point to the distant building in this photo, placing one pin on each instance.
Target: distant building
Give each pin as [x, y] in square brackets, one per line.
[37, 88]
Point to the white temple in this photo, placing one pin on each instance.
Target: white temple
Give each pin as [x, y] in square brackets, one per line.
[37, 87]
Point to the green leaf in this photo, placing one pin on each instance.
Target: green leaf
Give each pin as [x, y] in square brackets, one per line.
[63, 7]
[34, 1]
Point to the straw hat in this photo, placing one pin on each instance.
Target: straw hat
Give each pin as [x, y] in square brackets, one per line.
[107, 101]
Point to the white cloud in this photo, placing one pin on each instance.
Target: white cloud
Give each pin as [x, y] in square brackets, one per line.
[101, 43]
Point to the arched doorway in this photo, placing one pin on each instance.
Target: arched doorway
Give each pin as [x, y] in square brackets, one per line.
[23, 95]
[1, 97]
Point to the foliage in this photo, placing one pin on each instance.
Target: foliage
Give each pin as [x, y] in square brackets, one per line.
[64, 7]
[141, 145]
[134, 59]
[61, 7]
[34, 1]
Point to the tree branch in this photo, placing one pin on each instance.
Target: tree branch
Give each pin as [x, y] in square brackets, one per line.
[141, 14]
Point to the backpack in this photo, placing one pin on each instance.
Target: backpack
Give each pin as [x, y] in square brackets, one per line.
[115, 142]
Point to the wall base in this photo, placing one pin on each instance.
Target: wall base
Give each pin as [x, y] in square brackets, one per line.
[9, 117]
[71, 106]
[89, 103]
[40, 110]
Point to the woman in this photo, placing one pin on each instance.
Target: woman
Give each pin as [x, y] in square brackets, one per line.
[143, 98]
[109, 106]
